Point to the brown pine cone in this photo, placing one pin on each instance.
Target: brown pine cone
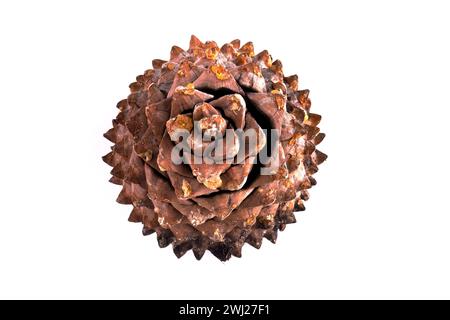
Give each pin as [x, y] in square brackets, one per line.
[241, 196]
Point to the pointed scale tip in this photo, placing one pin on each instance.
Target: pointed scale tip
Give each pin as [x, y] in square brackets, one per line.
[248, 49]
[135, 216]
[124, 197]
[147, 231]
[319, 138]
[195, 42]
[157, 63]
[254, 241]
[115, 180]
[180, 249]
[319, 157]
[111, 135]
[236, 43]
[237, 251]
[198, 253]
[271, 236]
[175, 52]
[109, 159]
[221, 251]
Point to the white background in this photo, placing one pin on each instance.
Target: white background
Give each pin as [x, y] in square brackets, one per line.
[377, 224]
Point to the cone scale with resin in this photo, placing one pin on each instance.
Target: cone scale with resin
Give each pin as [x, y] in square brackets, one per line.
[215, 206]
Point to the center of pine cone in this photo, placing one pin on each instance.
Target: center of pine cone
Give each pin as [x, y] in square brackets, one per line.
[215, 148]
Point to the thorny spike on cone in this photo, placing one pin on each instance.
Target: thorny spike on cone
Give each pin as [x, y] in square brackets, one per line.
[214, 207]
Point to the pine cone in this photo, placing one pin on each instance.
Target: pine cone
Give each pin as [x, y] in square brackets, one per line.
[220, 205]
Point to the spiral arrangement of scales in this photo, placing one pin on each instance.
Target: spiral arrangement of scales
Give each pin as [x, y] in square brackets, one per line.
[252, 187]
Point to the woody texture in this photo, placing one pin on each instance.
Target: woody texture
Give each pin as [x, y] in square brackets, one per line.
[207, 205]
